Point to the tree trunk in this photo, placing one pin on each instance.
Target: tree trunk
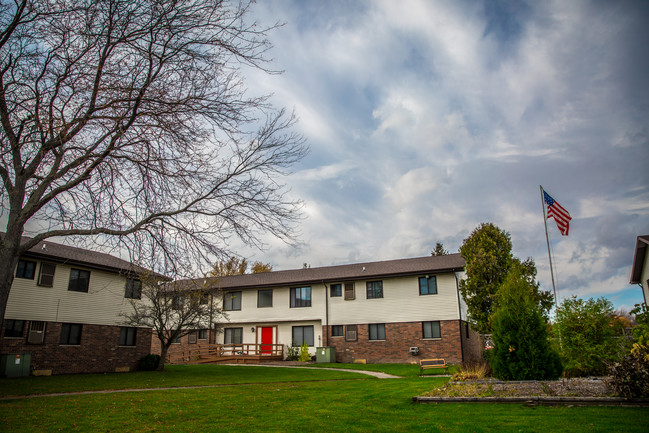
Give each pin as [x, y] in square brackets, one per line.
[9, 255]
[164, 347]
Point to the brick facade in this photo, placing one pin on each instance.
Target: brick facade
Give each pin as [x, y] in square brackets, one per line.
[98, 352]
[453, 346]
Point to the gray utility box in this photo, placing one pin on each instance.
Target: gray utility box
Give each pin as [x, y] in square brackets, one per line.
[325, 354]
[15, 364]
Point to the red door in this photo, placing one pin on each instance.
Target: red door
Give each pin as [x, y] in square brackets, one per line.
[266, 340]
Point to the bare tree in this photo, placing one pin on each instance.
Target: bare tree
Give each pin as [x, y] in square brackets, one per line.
[127, 122]
[173, 310]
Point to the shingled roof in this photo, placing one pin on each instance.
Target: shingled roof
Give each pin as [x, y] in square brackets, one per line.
[59, 253]
[342, 273]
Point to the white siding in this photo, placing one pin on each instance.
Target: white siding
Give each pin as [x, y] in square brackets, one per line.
[401, 302]
[281, 310]
[101, 305]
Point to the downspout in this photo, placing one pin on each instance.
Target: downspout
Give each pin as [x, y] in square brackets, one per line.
[326, 336]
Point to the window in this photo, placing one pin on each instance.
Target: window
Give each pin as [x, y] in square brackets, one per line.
[377, 331]
[46, 276]
[428, 285]
[177, 340]
[177, 302]
[303, 335]
[264, 298]
[233, 336]
[300, 297]
[431, 330]
[133, 289]
[351, 333]
[79, 280]
[192, 337]
[36, 333]
[26, 269]
[127, 336]
[14, 328]
[350, 294]
[202, 334]
[232, 301]
[336, 290]
[337, 331]
[374, 289]
[71, 334]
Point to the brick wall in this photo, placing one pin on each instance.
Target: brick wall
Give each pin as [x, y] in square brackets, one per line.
[399, 337]
[99, 351]
[471, 344]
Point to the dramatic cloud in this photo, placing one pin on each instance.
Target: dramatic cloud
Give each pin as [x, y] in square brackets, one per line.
[427, 118]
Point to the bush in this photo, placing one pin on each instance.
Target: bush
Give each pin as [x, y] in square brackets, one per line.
[472, 371]
[292, 352]
[585, 334]
[521, 348]
[630, 377]
[304, 353]
[149, 362]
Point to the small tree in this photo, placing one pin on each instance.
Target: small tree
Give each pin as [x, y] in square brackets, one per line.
[259, 267]
[439, 250]
[521, 347]
[172, 310]
[585, 335]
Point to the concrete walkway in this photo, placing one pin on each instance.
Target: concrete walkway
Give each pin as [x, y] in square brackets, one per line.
[377, 374]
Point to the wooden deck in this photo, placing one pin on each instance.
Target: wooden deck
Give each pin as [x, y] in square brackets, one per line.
[226, 354]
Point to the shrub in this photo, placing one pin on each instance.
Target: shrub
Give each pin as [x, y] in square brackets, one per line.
[472, 371]
[292, 352]
[149, 362]
[630, 377]
[585, 335]
[521, 348]
[304, 353]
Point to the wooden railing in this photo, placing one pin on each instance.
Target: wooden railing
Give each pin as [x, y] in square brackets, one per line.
[215, 353]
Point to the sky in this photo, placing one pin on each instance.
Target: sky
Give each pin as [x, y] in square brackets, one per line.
[426, 118]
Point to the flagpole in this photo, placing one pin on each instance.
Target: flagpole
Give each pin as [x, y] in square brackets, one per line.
[547, 240]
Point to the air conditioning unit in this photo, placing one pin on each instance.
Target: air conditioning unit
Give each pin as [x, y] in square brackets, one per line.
[414, 350]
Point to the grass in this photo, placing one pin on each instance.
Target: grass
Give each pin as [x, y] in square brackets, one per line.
[277, 405]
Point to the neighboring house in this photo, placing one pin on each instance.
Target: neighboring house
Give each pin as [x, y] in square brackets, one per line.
[373, 311]
[640, 269]
[63, 310]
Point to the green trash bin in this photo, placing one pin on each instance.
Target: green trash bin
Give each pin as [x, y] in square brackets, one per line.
[325, 355]
[15, 364]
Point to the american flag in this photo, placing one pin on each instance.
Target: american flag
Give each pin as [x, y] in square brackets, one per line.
[556, 211]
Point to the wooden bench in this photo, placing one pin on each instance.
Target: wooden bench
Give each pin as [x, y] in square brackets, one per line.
[429, 364]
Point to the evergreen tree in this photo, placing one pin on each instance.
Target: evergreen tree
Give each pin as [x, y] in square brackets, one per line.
[521, 347]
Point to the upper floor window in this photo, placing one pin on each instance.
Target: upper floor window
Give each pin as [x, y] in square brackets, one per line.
[79, 280]
[14, 328]
[374, 289]
[26, 269]
[300, 297]
[71, 334]
[428, 285]
[336, 290]
[264, 298]
[46, 275]
[431, 329]
[133, 288]
[127, 336]
[377, 331]
[350, 293]
[232, 301]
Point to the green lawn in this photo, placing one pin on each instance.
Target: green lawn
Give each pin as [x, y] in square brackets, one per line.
[294, 401]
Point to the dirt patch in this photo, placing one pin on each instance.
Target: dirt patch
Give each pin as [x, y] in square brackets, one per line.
[580, 387]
